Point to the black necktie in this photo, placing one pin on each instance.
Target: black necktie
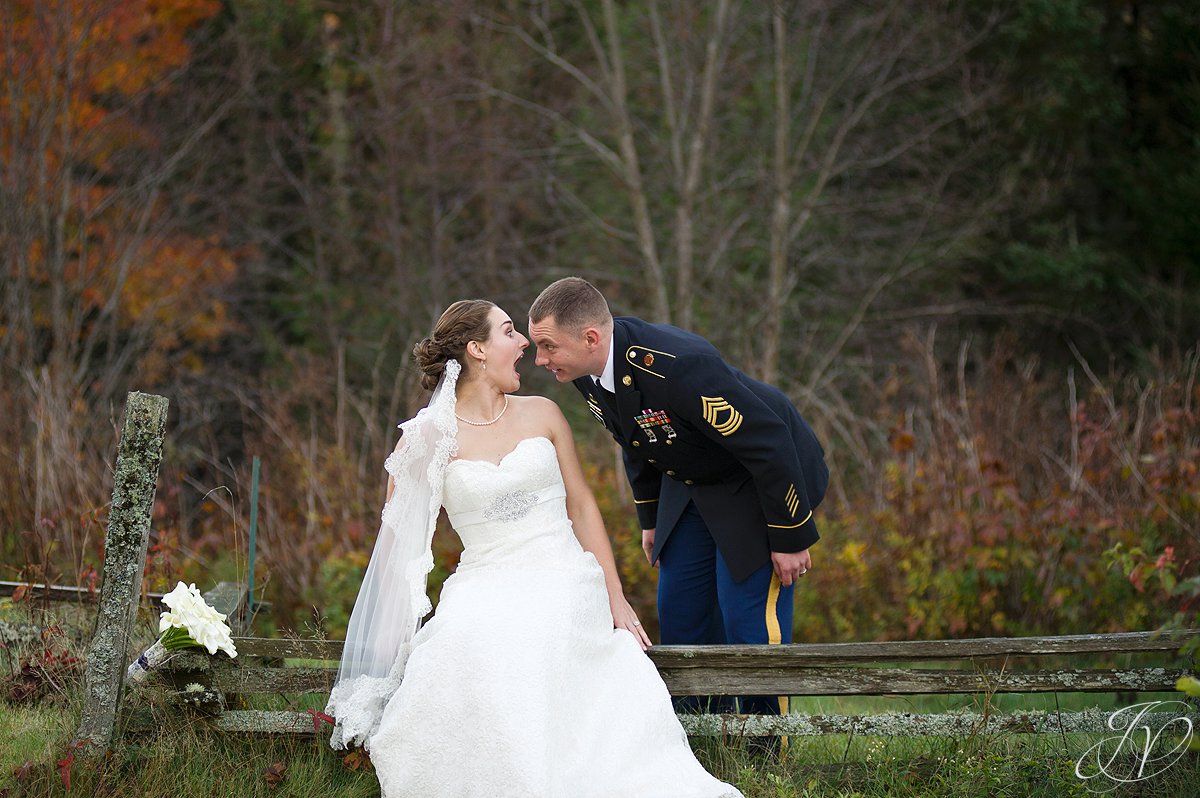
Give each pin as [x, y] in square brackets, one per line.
[606, 398]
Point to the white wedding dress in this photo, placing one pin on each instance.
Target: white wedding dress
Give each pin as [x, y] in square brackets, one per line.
[519, 685]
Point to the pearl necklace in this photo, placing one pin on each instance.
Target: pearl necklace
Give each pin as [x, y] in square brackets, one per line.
[486, 423]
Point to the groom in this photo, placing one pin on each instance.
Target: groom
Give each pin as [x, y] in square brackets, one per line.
[725, 473]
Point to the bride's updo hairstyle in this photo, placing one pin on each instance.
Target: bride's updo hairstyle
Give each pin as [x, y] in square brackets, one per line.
[462, 322]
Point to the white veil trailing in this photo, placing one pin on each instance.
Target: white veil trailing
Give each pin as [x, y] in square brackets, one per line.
[393, 600]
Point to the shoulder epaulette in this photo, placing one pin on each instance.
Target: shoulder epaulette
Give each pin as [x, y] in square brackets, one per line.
[648, 360]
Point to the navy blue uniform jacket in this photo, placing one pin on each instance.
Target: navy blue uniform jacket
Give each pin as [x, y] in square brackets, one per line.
[693, 427]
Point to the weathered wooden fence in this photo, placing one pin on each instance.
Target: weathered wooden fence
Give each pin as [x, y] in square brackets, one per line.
[65, 594]
[980, 667]
[290, 668]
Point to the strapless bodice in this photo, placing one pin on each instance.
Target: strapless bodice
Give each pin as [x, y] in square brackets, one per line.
[505, 506]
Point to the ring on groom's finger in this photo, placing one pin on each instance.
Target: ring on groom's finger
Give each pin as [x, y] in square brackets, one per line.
[803, 572]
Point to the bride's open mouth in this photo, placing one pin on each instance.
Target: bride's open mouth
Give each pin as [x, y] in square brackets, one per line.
[516, 370]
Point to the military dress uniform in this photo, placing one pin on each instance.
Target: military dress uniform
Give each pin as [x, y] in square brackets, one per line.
[725, 470]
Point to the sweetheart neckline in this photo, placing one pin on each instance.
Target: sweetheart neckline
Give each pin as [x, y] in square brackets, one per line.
[511, 452]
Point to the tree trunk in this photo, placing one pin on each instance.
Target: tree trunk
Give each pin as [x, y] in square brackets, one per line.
[632, 171]
[781, 210]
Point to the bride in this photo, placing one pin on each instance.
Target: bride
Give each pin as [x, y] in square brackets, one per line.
[531, 678]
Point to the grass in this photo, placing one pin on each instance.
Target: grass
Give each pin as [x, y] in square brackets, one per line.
[167, 753]
[31, 734]
[183, 759]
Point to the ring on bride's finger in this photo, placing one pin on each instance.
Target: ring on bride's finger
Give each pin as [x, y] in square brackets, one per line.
[637, 623]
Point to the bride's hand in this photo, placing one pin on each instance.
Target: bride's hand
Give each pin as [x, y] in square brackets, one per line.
[625, 618]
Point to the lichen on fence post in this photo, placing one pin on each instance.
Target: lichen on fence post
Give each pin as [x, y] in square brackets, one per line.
[134, 478]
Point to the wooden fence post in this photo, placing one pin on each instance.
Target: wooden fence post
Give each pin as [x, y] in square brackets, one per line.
[134, 478]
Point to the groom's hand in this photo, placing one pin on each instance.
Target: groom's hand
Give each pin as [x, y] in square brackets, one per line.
[790, 566]
[648, 545]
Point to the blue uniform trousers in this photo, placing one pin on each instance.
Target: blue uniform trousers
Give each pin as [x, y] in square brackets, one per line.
[699, 603]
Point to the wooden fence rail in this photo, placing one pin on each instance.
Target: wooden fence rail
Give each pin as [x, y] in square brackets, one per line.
[982, 666]
[30, 590]
[822, 653]
[85, 595]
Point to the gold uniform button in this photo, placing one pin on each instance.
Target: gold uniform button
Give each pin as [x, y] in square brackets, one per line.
[669, 441]
[670, 473]
[637, 443]
[627, 380]
[688, 482]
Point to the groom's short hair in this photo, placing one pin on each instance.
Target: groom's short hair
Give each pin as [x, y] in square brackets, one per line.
[573, 303]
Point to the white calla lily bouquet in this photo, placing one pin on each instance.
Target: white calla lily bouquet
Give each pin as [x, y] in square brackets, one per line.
[190, 622]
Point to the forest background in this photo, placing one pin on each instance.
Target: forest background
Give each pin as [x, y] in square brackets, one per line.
[963, 236]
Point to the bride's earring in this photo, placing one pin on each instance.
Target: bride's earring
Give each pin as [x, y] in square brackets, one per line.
[483, 359]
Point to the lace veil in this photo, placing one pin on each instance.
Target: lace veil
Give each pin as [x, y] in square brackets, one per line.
[392, 600]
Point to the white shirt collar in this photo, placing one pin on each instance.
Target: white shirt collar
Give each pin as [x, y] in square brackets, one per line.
[606, 379]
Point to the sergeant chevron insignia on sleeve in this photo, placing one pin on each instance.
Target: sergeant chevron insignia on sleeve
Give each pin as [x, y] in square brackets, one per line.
[713, 407]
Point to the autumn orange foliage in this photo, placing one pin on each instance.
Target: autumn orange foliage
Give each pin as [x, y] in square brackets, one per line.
[77, 54]
[77, 73]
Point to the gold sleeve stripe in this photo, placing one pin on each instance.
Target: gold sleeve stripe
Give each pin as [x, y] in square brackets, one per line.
[644, 501]
[793, 501]
[792, 526]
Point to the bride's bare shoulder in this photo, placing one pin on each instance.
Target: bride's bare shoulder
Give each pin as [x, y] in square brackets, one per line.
[542, 416]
